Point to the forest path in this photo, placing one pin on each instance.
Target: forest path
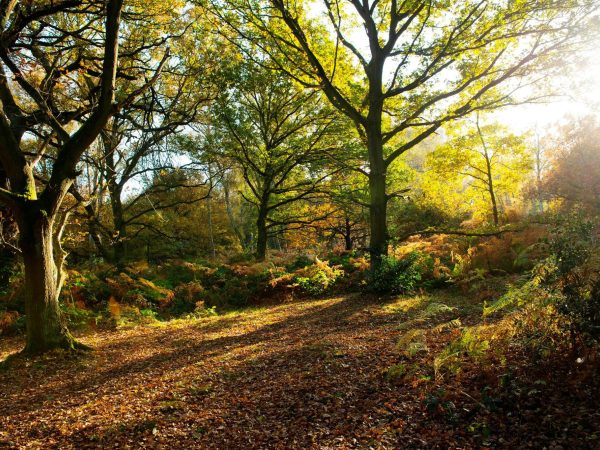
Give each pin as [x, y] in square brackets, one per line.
[307, 374]
[303, 374]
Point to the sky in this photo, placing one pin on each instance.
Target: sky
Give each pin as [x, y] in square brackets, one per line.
[580, 86]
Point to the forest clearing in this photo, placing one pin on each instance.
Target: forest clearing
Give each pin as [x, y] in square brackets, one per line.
[237, 224]
[309, 374]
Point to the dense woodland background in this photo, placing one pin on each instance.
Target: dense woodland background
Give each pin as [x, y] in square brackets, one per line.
[332, 194]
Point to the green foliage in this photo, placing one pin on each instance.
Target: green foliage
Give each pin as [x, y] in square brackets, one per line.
[395, 372]
[187, 297]
[318, 278]
[578, 275]
[201, 312]
[535, 290]
[300, 262]
[572, 240]
[79, 317]
[412, 342]
[470, 344]
[131, 316]
[397, 276]
[482, 164]
[581, 305]
[344, 260]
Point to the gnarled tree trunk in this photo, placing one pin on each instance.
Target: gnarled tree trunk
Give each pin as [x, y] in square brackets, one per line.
[46, 328]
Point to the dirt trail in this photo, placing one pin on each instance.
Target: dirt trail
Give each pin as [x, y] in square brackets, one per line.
[298, 375]
[308, 374]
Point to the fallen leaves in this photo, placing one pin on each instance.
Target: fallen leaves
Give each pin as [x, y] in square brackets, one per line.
[309, 374]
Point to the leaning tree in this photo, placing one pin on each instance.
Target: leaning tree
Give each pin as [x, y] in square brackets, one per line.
[60, 83]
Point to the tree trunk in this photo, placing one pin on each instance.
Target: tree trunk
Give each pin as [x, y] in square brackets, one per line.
[261, 228]
[232, 222]
[490, 178]
[94, 230]
[120, 227]
[378, 246]
[490, 183]
[378, 203]
[348, 235]
[46, 328]
[494, 205]
[8, 262]
[211, 238]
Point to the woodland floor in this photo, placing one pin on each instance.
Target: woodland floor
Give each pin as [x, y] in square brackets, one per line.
[307, 374]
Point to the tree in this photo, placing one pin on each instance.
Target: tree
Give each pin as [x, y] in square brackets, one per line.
[62, 57]
[8, 239]
[279, 136]
[417, 65]
[133, 146]
[492, 160]
[194, 223]
[348, 194]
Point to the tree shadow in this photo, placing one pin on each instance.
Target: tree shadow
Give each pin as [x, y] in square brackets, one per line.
[328, 319]
[316, 381]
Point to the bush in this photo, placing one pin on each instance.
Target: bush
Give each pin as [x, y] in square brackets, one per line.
[580, 304]
[317, 278]
[139, 292]
[186, 297]
[577, 275]
[122, 316]
[77, 317]
[397, 276]
[201, 311]
[572, 241]
[300, 262]
[229, 291]
[11, 322]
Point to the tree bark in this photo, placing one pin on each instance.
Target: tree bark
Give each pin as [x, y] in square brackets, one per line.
[261, 228]
[378, 246]
[46, 328]
[490, 179]
[378, 199]
[348, 235]
[119, 255]
[232, 221]
[211, 238]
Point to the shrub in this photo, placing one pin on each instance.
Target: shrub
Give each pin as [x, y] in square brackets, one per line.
[201, 311]
[397, 276]
[129, 316]
[10, 322]
[186, 297]
[580, 304]
[577, 275]
[229, 291]
[572, 241]
[300, 262]
[470, 344]
[139, 292]
[77, 317]
[317, 278]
